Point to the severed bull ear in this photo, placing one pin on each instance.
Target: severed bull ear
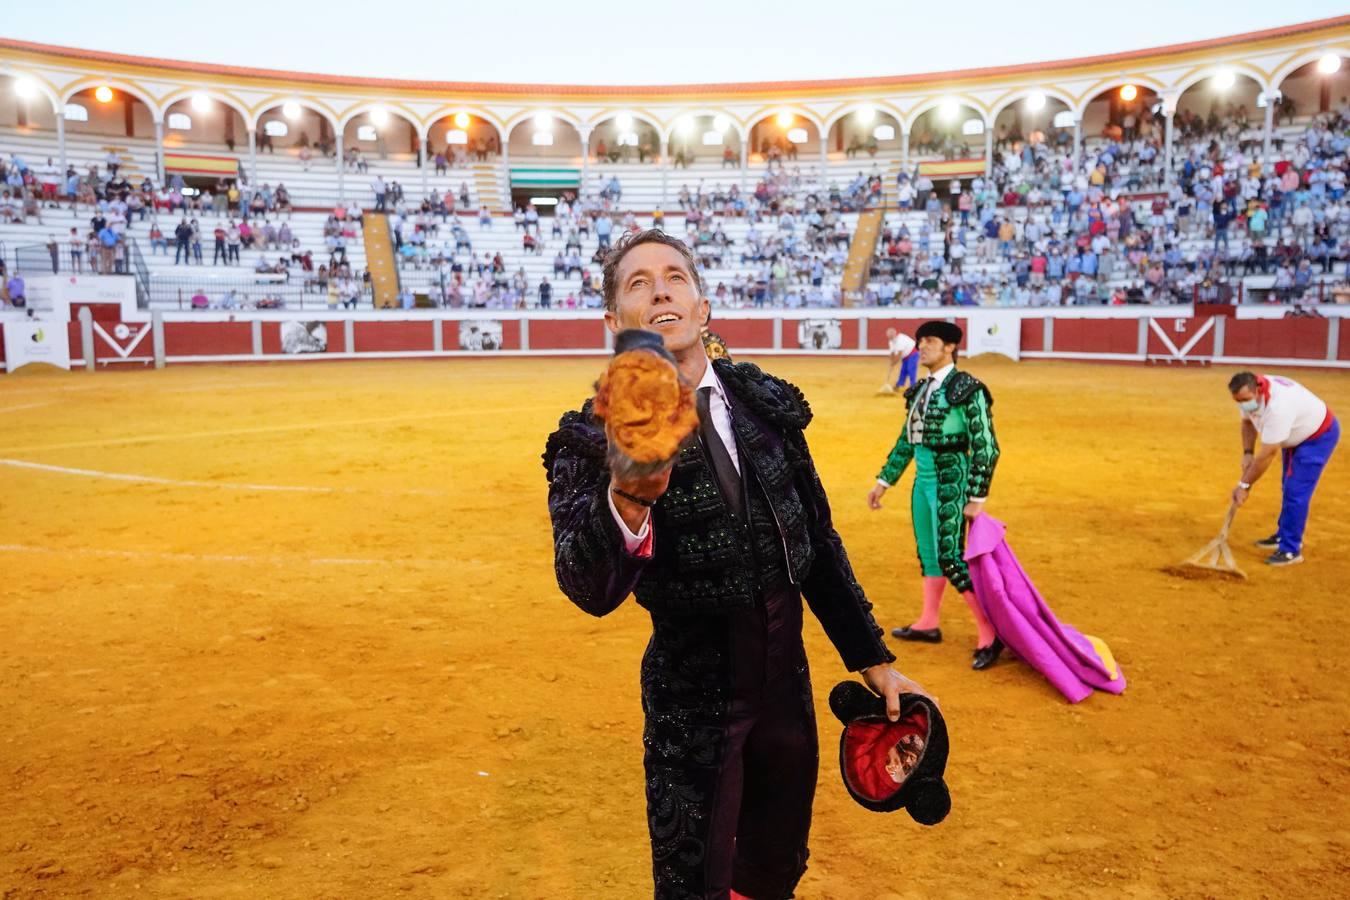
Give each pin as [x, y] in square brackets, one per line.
[647, 406]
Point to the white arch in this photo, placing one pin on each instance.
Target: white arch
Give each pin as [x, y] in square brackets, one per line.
[252, 121]
[592, 124]
[1301, 60]
[515, 121]
[126, 87]
[1095, 92]
[43, 87]
[768, 112]
[372, 105]
[742, 128]
[935, 102]
[223, 99]
[848, 109]
[1009, 99]
[447, 112]
[1238, 69]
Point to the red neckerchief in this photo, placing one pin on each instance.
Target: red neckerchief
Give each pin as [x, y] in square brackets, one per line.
[1263, 389]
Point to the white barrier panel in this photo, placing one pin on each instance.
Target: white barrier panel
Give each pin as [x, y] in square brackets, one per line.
[37, 340]
[991, 333]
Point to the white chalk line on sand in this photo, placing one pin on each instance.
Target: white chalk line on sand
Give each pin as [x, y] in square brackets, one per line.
[479, 413]
[225, 485]
[165, 556]
[10, 409]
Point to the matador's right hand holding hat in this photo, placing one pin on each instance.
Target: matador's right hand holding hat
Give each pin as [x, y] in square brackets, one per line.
[647, 407]
[893, 765]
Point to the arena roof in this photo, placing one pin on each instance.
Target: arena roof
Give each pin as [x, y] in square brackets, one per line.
[542, 42]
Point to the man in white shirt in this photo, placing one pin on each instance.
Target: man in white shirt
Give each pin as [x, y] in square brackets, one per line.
[1292, 421]
[902, 354]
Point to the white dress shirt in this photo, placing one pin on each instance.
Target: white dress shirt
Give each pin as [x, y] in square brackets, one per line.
[1290, 416]
[720, 407]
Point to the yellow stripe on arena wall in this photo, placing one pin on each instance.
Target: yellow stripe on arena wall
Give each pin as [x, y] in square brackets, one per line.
[952, 168]
[198, 164]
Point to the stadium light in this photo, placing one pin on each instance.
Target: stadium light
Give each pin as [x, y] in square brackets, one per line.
[624, 121]
[948, 109]
[1224, 79]
[721, 123]
[1129, 92]
[1329, 63]
[865, 115]
[291, 110]
[25, 88]
[103, 94]
[200, 102]
[543, 122]
[685, 124]
[1036, 101]
[785, 120]
[461, 120]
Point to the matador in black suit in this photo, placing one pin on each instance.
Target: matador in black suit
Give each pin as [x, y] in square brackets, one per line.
[719, 548]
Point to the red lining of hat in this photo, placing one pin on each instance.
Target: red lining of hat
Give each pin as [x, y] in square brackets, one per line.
[866, 744]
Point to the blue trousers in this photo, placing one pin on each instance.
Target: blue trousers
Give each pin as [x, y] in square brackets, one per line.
[909, 369]
[1303, 466]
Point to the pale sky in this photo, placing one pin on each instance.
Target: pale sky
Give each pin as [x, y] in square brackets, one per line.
[640, 41]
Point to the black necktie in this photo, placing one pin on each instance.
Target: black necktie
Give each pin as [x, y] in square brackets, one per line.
[724, 470]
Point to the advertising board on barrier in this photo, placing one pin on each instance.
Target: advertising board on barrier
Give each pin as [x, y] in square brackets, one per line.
[36, 340]
[819, 334]
[987, 333]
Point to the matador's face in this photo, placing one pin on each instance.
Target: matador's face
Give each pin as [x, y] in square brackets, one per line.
[657, 292]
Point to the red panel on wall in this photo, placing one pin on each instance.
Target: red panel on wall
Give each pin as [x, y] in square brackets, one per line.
[1277, 338]
[752, 334]
[450, 335]
[271, 337]
[511, 334]
[567, 334]
[1033, 335]
[848, 334]
[102, 312]
[1343, 351]
[876, 331]
[1180, 332]
[1096, 336]
[76, 342]
[207, 338]
[379, 337]
[337, 337]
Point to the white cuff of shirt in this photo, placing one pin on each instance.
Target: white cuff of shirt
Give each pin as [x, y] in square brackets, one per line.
[630, 541]
[977, 499]
[884, 483]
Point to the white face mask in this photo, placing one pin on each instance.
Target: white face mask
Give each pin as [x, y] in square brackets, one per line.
[1249, 406]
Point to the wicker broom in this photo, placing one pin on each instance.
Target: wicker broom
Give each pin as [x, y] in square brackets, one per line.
[1217, 556]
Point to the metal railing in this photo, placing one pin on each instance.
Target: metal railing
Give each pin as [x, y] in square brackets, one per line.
[244, 290]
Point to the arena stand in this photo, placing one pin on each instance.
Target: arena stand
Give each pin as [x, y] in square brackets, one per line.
[772, 201]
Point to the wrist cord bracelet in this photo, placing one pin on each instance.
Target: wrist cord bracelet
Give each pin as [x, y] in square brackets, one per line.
[633, 497]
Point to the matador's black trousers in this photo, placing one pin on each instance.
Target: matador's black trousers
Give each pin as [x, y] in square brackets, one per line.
[731, 751]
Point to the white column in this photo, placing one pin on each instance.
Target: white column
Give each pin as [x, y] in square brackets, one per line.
[61, 142]
[252, 159]
[1077, 143]
[159, 152]
[745, 165]
[904, 151]
[1167, 147]
[341, 169]
[422, 164]
[824, 159]
[585, 161]
[988, 151]
[506, 173]
[1270, 127]
[665, 171]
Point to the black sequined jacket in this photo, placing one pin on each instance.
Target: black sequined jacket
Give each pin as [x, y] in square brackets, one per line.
[704, 560]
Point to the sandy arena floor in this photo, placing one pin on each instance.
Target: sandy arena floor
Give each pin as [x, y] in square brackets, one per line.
[314, 647]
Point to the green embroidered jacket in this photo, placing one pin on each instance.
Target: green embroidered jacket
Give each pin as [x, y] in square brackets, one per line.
[959, 418]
